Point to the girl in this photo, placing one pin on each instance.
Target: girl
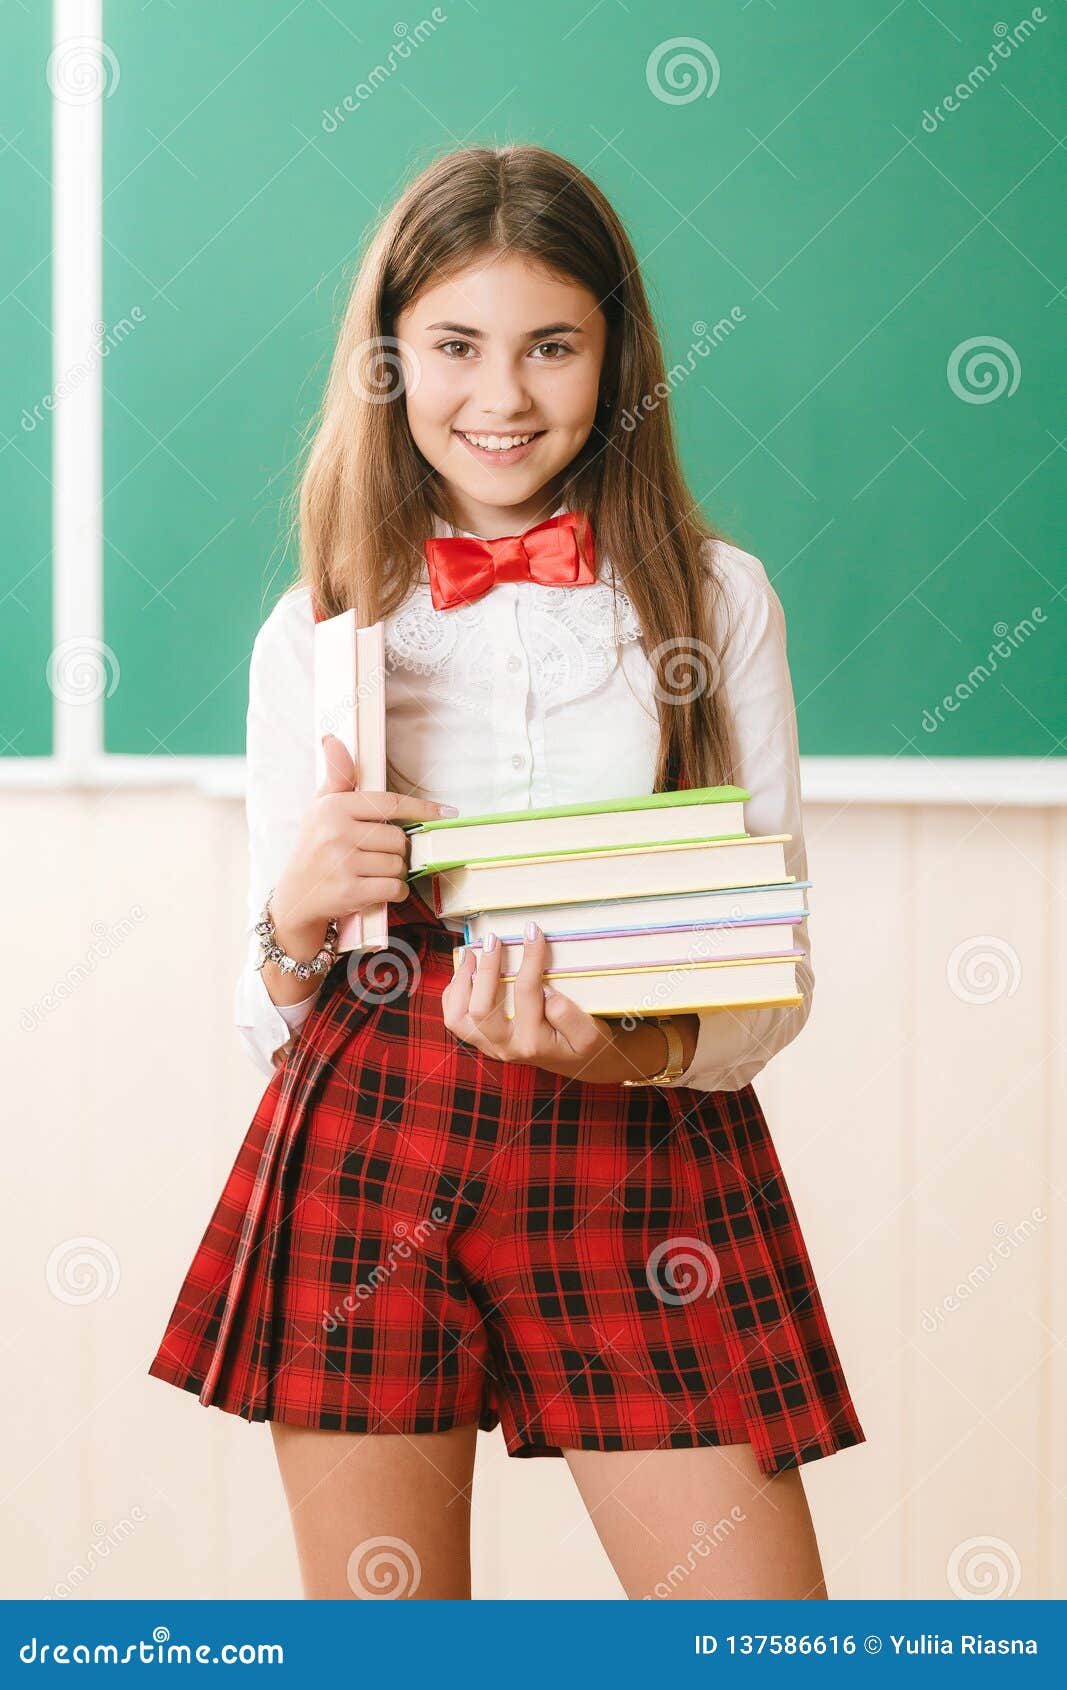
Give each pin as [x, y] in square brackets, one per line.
[442, 1219]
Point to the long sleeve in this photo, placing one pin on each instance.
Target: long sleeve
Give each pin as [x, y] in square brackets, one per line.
[280, 784]
[734, 1045]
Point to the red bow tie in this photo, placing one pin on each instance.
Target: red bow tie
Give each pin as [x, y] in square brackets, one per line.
[557, 553]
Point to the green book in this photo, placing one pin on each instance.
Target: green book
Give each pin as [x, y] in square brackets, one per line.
[658, 818]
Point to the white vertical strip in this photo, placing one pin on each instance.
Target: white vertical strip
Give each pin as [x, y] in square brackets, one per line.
[80, 77]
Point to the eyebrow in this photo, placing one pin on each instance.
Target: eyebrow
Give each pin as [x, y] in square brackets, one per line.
[534, 334]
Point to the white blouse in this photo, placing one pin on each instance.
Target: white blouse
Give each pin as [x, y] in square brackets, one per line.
[531, 696]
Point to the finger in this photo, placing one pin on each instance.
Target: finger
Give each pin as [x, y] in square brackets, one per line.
[377, 863]
[529, 1019]
[378, 836]
[576, 1029]
[455, 1003]
[340, 773]
[485, 1010]
[379, 889]
[395, 807]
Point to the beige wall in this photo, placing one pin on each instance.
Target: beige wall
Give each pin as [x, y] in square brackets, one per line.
[919, 1131]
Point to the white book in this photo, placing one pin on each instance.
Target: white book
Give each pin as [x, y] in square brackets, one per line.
[350, 703]
[659, 991]
[659, 818]
[596, 876]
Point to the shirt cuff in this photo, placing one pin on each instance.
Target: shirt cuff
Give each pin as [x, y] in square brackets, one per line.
[265, 1026]
[733, 1045]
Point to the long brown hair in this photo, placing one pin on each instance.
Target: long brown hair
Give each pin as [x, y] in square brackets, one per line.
[367, 497]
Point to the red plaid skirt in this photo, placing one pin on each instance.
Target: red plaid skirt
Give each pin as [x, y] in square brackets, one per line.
[414, 1236]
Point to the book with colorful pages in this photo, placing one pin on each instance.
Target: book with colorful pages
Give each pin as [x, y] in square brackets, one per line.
[727, 904]
[660, 946]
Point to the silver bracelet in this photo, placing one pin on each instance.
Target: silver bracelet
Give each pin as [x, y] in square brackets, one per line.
[271, 951]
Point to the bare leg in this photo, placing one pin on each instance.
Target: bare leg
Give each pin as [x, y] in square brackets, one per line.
[379, 1515]
[698, 1523]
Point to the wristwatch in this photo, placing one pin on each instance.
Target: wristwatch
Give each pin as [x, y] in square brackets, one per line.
[675, 1064]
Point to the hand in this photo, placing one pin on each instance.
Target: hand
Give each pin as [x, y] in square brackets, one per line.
[349, 854]
[548, 1030]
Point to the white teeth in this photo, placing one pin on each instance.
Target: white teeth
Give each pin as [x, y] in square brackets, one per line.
[497, 442]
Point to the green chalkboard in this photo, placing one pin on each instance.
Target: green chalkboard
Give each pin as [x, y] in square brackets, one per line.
[880, 423]
[26, 346]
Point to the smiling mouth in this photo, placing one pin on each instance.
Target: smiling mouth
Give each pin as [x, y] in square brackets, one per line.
[502, 444]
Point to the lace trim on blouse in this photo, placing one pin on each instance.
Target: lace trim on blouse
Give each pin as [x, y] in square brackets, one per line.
[574, 639]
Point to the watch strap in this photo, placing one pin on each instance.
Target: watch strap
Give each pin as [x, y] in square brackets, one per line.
[675, 1063]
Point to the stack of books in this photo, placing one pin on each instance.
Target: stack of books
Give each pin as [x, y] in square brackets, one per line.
[655, 904]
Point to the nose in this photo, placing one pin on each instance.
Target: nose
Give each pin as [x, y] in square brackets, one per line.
[502, 390]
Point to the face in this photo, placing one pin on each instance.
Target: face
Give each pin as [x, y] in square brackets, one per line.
[506, 363]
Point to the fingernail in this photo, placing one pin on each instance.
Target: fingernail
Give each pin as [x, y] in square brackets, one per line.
[490, 943]
[325, 737]
[447, 810]
[532, 930]
[461, 951]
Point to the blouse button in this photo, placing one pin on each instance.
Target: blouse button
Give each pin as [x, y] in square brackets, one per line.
[513, 663]
[518, 760]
